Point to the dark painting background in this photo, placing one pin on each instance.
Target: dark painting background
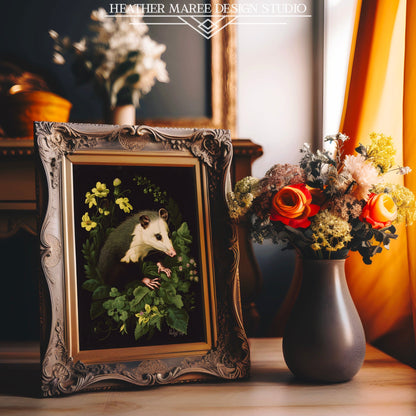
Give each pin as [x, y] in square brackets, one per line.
[180, 184]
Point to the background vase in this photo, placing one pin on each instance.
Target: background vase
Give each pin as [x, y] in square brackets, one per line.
[122, 114]
[324, 339]
[22, 108]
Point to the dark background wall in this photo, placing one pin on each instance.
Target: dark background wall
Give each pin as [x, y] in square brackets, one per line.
[19, 306]
[24, 38]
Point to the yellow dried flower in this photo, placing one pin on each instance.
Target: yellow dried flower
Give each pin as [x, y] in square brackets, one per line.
[381, 152]
[404, 200]
[246, 185]
[237, 208]
[240, 201]
[330, 233]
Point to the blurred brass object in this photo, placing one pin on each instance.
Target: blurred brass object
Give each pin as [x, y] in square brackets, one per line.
[13, 78]
[15, 89]
[28, 106]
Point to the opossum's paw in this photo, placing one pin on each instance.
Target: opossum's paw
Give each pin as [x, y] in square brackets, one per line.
[130, 256]
[161, 269]
[125, 259]
[151, 283]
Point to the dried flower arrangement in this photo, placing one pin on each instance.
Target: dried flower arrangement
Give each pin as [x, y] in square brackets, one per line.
[122, 61]
[329, 204]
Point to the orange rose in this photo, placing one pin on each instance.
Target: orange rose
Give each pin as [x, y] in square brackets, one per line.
[292, 206]
[379, 211]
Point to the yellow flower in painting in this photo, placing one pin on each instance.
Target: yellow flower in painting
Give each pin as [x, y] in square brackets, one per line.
[123, 329]
[100, 190]
[116, 182]
[90, 199]
[124, 204]
[87, 223]
[103, 211]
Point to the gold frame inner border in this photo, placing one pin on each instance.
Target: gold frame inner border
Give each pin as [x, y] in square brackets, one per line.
[172, 159]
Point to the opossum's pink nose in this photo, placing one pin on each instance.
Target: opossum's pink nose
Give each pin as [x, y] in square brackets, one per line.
[171, 253]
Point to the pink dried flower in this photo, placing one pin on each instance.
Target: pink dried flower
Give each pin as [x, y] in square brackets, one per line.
[346, 207]
[262, 204]
[282, 175]
[363, 173]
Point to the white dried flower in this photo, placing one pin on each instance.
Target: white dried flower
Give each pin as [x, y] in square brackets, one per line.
[123, 60]
[403, 170]
[58, 58]
[81, 46]
[99, 15]
[54, 35]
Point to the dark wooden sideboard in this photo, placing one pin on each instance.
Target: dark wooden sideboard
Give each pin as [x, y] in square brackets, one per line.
[19, 248]
[245, 153]
[19, 251]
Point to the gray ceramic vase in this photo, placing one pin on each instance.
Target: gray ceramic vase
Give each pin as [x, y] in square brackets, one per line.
[324, 339]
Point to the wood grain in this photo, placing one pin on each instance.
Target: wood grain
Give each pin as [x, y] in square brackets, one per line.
[382, 387]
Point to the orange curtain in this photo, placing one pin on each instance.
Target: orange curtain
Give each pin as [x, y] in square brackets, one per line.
[381, 97]
[409, 130]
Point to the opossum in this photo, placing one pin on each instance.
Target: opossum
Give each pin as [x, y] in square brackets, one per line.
[130, 243]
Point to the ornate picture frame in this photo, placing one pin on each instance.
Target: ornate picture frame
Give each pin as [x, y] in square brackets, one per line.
[222, 80]
[163, 325]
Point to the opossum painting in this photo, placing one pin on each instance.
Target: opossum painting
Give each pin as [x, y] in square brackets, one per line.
[132, 241]
[140, 283]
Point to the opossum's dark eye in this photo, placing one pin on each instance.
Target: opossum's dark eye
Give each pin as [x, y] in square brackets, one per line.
[158, 236]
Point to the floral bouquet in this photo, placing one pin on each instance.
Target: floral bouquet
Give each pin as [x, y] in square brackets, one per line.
[329, 204]
[119, 57]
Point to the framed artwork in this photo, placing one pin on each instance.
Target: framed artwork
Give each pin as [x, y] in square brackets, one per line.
[138, 257]
[210, 68]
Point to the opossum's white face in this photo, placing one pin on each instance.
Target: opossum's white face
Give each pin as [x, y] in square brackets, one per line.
[157, 237]
[150, 234]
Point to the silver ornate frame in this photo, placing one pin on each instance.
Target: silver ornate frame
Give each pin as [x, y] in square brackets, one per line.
[229, 358]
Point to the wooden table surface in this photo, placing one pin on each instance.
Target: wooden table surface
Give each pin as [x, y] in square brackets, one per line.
[382, 387]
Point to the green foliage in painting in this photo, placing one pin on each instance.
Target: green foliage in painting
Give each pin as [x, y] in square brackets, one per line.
[136, 309]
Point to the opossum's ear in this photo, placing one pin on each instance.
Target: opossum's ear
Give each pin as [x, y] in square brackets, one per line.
[144, 221]
[163, 214]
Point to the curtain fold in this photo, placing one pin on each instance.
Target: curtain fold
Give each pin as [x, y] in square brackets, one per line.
[409, 131]
[381, 97]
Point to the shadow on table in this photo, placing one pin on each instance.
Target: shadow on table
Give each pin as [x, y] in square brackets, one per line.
[20, 379]
[281, 376]
[271, 375]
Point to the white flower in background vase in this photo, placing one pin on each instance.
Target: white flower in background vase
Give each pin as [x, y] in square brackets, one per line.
[119, 57]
